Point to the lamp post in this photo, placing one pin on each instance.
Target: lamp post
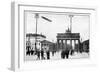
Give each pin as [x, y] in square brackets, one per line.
[36, 16]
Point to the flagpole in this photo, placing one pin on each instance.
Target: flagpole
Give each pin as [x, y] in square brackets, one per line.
[71, 16]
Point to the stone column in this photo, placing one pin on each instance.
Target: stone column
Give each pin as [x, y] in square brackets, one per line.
[71, 43]
[65, 43]
[62, 44]
[57, 44]
[75, 44]
[78, 45]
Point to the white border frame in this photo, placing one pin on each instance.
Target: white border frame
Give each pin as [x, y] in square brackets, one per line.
[17, 26]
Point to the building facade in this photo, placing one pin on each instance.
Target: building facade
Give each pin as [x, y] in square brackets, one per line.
[85, 46]
[68, 39]
[47, 45]
[33, 42]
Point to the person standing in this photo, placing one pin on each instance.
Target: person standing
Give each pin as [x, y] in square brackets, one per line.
[68, 48]
[38, 54]
[48, 54]
[67, 53]
[42, 54]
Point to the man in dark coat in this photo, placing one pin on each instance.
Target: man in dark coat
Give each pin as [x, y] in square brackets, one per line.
[67, 53]
[48, 55]
[42, 54]
[38, 54]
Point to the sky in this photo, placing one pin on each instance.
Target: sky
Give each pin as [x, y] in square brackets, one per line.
[59, 24]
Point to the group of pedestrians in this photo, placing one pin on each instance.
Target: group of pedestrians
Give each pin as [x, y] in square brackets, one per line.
[66, 52]
[43, 55]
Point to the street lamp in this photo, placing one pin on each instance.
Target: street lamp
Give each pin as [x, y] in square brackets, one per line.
[36, 17]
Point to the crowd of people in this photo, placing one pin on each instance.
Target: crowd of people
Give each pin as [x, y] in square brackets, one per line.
[41, 54]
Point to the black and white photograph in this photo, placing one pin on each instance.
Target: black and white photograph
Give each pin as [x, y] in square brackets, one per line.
[55, 36]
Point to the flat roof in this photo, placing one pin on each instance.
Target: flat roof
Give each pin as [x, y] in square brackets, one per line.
[68, 35]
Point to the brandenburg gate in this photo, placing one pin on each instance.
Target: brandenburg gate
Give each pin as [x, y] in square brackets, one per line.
[68, 39]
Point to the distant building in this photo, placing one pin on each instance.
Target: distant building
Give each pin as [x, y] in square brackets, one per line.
[68, 39]
[32, 39]
[85, 46]
[47, 45]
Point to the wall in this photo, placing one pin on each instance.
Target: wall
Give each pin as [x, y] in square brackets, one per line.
[5, 37]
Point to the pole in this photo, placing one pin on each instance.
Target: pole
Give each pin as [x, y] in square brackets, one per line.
[36, 16]
[71, 22]
[70, 16]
